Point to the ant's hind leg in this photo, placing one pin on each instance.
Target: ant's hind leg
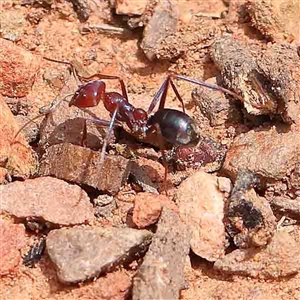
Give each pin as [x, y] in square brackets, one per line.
[84, 134]
[156, 128]
[209, 85]
[108, 134]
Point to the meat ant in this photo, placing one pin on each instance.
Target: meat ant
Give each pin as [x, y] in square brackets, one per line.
[168, 125]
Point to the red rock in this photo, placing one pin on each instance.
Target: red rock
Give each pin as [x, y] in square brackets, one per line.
[114, 286]
[12, 239]
[82, 166]
[3, 173]
[147, 208]
[46, 198]
[15, 156]
[18, 68]
[201, 206]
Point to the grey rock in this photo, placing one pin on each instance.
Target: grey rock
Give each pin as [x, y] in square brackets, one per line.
[81, 253]
[289, 207]
[163, 23]
[279, 259]
[161, 275]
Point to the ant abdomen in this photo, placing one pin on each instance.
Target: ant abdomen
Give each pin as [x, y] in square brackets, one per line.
[176, 127]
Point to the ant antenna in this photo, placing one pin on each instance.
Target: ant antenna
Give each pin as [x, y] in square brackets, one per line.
[45, 110]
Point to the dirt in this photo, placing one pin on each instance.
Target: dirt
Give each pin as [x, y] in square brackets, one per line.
[53, 29]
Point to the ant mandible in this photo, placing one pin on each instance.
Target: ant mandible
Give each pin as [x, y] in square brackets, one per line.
[169, 125]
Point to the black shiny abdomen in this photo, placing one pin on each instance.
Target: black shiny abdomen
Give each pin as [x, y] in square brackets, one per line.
[176, 127]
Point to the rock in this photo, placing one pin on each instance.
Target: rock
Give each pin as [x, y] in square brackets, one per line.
[281, 258]
[163, 23]
[270, 153]
[161, 275]
[153, 169]
[130, 8]
[208, 155]
[12, 239]
[66, 124]
[148, 207]
[267, 85]
[46, 199]
[215, 106]
[15, 154]
[295, 177]
[18, 68]
[252, 222]
[142, 179]
[201, 206]
[224, 185]
[280, 66]
[30, 131]
[12, 25]
[82, 166]
[191, 37]
[93, 251]
[275, 19]
[115, 285]
[287, 207]
[104, 206]
[237, 66]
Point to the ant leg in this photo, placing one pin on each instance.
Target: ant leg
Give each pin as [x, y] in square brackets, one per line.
[44, 111]
[25, 125]
[177, 95]
[108, 133]
[84, 135]
[208, 85]
[98, 121]
[162, 90]
[161, 95]
[99, 76]
[73, 69]
[162, 147]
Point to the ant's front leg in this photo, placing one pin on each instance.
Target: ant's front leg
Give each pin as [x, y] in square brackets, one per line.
[161, 142]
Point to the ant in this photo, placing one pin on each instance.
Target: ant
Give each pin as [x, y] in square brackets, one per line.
[168, 125]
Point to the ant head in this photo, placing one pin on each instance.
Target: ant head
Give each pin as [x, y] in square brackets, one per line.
[139, 125]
